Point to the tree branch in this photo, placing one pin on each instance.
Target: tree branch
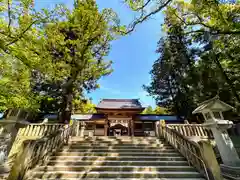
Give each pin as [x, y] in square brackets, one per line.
[142, 18]
[212, 30]
[142, 7]
[97, 51]
[22, 33]
[80, 68]
[90, 41]
[217, 32]
[16, 56]
[200, 21]
[216, 3]
[9, 17]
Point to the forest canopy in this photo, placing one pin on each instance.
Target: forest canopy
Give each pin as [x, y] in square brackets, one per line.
[50, 58]
[199, 55]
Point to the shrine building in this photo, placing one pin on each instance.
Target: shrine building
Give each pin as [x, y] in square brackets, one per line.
[120, 117]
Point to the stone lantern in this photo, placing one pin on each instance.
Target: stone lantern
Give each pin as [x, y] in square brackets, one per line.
[212, 112]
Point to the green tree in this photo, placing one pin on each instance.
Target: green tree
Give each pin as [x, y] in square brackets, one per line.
[221, 15]
[77, 46]
[15, 90]
[56, 55]
[157, 110]
[217, 32]
[160, 110]
[20, 35]
[170, 71]
[84, 106]
[148, 110]
[211, 29]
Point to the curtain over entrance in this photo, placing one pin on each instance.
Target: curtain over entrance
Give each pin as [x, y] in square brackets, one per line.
[118, 130]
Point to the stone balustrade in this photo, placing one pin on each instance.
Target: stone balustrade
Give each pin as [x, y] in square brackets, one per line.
[199, 154]
[31, 131]
[37, 151]
[192, 130]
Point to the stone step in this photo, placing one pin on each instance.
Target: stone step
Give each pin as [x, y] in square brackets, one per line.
[123, 140]
[118, 163]
[134, 154]
[115, 138]
[120, 158]
[116, 158]
[109, 174]
[131, 137]
[119, 143]
[118, 140]
[121, 179]
[76, 146]
[115, 168]
[103, 144]
[119, 150]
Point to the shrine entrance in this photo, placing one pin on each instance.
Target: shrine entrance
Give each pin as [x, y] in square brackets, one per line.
[118, 130]
[118, 126]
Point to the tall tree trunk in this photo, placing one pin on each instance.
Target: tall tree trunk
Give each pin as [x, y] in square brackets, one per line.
[66, 106]
[173, 99]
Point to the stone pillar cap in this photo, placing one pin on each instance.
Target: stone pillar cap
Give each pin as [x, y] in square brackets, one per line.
[214, 105]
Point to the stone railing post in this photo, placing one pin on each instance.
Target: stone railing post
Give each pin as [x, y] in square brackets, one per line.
[83, 126]
[77, 128]
[74, 127]
[210, 160]
[157, 129]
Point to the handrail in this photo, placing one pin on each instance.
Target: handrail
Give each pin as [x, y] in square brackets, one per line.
[33, 152]
[192, 130]
[31, 131]
[189, 149]
[38, 129]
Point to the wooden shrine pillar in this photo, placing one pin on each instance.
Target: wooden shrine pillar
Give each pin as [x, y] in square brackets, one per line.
[105, 129]
[132, 127]
[129, 127]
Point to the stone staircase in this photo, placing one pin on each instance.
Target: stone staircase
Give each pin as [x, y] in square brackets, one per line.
[116, 158]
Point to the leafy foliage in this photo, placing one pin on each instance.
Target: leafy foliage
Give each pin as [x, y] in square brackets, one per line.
[157, 110]
[199, 56]
[56, 55]
[20, 31]
[215, 16]
[84, 106]
[161, 110]
[148, 110]
[168, 84]
[77, 46]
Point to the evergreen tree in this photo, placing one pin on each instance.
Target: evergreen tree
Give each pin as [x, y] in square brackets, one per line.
[170, 70]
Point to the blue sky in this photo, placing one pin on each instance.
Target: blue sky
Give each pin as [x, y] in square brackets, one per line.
[132, 55]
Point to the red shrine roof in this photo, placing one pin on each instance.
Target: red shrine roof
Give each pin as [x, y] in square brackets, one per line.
[119, 104]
